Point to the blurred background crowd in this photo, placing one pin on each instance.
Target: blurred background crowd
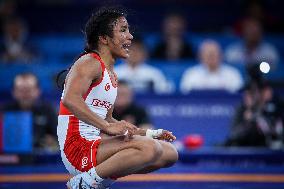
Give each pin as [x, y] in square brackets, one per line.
[210, 71]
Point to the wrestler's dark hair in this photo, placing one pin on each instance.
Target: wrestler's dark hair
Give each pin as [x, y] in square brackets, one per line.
[101, 23]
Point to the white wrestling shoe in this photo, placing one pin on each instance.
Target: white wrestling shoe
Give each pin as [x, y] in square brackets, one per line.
[72, 184]
[85, 181]
[82, 181]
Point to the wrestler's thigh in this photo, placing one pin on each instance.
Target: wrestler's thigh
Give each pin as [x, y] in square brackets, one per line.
[111, 145]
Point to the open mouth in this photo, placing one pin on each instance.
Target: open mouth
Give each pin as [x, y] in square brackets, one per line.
[126, 47]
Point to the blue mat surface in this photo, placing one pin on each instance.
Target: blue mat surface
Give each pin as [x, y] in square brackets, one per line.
[154, 185]
[179, 168]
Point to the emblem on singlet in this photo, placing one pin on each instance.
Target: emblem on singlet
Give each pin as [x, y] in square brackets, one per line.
[84, 162]
[107, 87]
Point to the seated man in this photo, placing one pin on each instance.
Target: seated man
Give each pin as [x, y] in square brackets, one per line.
[173, 46]
[252, 48]
[15, 46]
[211, 73]
[26, 93]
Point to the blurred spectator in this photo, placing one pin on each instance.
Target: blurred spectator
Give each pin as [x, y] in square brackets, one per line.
[140, 76]
[174, 45]
[252, 49]
[259, 119]
[15, 47]
[126, 109]
[7, 10]
[211, 73]
[258, 9]
[26, 93]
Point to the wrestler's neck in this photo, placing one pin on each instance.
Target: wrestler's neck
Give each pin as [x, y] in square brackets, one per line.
[108, 59]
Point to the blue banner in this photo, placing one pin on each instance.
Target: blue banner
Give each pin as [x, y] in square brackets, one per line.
[206, 114]
[17, 132]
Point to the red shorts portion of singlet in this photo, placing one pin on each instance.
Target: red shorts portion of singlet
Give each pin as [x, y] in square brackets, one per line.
[80, 152]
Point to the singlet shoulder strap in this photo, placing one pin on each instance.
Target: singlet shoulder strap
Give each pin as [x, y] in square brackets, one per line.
[96, 56]
[94, 84]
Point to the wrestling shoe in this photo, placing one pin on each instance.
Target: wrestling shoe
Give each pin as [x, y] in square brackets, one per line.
[82, 181]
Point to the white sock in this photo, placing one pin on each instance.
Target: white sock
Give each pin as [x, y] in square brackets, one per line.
[95, 176]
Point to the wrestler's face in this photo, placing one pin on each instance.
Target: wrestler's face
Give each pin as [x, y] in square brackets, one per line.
[120, 42]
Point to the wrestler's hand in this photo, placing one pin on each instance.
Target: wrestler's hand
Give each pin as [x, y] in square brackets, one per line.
[120, 128]
[167, 136]
[131, 130]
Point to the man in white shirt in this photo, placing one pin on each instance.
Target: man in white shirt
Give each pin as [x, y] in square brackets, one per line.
[211, 73]
[252, 49]
[143, 78]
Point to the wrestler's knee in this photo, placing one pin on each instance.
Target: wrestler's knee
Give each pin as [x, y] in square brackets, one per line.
[152, 150]
[171, 155]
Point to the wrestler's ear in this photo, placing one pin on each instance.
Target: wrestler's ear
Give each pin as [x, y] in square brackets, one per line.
[103, 39]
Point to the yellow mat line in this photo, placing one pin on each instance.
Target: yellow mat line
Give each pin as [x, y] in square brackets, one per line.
[188, 177]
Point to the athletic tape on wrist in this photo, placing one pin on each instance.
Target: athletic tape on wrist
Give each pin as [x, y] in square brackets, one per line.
[154, 133]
